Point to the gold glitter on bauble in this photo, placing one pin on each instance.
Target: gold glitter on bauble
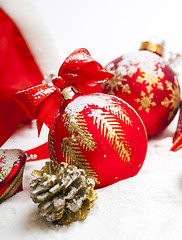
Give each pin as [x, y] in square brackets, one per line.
[101, 134]
[148, 84]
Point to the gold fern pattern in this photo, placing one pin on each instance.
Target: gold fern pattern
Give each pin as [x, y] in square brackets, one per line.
[116, 110]
[108, 122]
[73, 155]
[80, 139]
[112, 130]
[79, 128]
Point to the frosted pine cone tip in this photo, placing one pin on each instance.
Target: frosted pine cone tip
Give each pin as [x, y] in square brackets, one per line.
[64, 194]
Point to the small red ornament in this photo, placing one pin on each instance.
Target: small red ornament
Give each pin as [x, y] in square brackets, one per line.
[97, 132]
[12, 162]
[177, 139]
[148, 84]
[101, 134]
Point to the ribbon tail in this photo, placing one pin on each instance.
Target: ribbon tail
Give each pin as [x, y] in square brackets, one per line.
[39, 126]
[38, 153]
[49, 110]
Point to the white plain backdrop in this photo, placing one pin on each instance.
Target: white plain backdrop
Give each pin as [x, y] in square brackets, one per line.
[109, 28]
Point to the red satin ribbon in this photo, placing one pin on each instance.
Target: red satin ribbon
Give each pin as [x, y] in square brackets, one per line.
[43, 102]
[18, 70]
[38, 153]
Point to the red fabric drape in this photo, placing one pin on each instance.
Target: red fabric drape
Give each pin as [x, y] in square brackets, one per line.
[18, 70]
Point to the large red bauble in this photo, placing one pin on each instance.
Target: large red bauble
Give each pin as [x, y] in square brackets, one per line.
[148, 84]
[101, 134]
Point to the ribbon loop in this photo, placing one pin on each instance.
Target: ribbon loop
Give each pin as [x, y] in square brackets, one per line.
[80, 67]
[30, 98]
[58, 81]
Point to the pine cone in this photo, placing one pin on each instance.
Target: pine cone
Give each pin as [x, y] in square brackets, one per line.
[64, 193]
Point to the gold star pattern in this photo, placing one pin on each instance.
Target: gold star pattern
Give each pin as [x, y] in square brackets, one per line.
[151, 79]
[172, 102]
[118, 81]
[145, 101]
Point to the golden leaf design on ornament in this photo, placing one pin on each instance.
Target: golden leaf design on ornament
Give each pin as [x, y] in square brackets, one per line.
[81, 138]
[116, 110]
[145, 101]
[151, 79]
[77, 127]
[116, 83]
[172, 102]
[112, 130]
[74, 156]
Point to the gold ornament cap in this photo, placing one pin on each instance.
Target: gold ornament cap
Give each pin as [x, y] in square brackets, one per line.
[68, 93]
[152, 47]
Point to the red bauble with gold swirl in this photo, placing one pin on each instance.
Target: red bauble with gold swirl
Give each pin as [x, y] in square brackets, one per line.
[148, 84]
[101, 134]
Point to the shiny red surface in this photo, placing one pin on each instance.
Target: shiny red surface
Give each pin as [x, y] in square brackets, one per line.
[157, 118]
[105, 160]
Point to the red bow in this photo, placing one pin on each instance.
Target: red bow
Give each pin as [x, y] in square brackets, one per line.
[43, 102]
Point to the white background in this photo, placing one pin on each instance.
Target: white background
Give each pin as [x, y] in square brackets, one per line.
[112, 27]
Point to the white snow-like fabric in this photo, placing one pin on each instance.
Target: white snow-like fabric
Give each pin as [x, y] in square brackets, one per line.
[147, 206]
[35, 33]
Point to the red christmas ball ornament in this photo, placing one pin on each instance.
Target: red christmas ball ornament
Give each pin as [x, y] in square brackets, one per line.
[101, 134]
[148, 84]
[177, 138]
[97, 132]
[12, 163]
